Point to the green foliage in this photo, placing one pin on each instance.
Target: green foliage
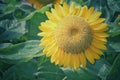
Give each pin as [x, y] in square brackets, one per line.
[21, 57]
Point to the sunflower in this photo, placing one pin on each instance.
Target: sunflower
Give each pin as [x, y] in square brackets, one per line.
[73, 35]
[40, 3]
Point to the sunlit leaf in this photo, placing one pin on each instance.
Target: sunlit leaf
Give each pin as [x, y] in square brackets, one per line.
[21, 52]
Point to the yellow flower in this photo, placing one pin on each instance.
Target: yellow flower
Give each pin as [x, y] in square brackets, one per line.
[40, 3]
[73, 35]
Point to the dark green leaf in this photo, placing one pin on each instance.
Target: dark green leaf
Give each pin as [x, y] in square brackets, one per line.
[115, 71]
[48, 71]
[12, 1]
[21, 71]
[114, 5]
[81, 74]
[114, 47]
[33, 25]
[100, 68]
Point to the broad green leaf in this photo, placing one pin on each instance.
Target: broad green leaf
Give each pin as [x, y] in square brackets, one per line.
[21, 52]
[100, 68]
[21, 71]
[115, 71]
[13, 29]
[33, 25]
[49, 71]
[81, 74]
[110, 56]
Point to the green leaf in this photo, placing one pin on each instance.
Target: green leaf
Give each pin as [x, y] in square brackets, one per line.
[12, 1]
[114, 47]
[100, 68]
[21, 52]
[114, 28]
[81, 74]
[4, 45]
[114, 5]
[40, 11]
[21, 71]
[48, 71]
[13, 29]
[33, 25]
[110, 56]
[80, 2]
[115, 71]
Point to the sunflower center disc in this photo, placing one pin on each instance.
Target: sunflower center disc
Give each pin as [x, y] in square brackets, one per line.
[73, 34]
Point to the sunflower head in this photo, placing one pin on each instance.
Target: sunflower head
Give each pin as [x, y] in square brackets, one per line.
[40, 3]
[73, 35]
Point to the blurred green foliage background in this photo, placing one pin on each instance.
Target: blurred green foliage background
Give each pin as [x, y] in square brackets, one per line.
[22, 59]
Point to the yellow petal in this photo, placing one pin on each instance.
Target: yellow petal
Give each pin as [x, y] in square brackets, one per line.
[55, 14]
[76, 61]
[59, 10]
[61, 57]
[72, 8]
[89, 12]
[95, 55]
[83, 11]
[54, 54]
[100, 46]
[97, 21]
[94, 17]
[52, 51]
[100, 39]
[101, 34]
[78, 9]
[89, 57]
[100, 27]
[83, 60]
[51, 17]
[96, 50]
[67, 59]
[66, 8]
